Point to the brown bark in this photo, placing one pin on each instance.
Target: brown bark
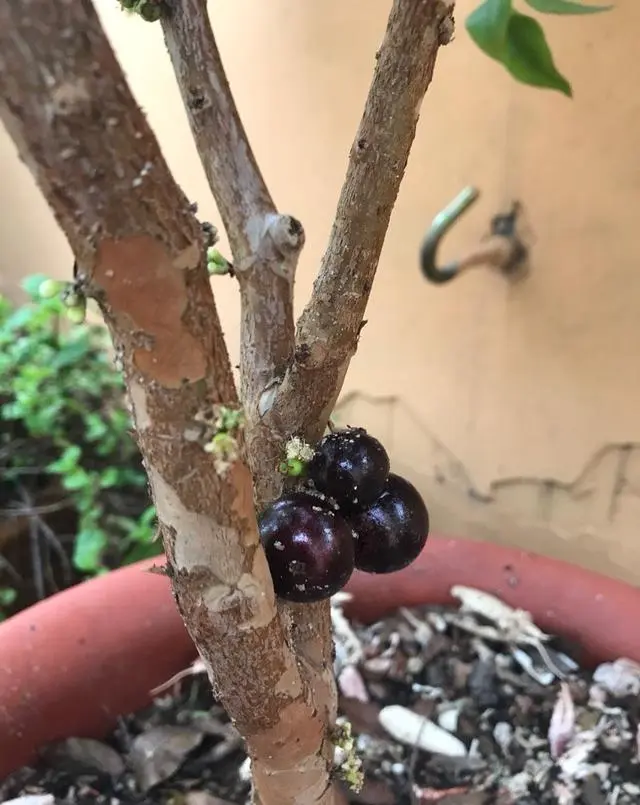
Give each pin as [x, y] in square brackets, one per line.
[265, 247]
[328, 329]
[264, 244]
[71, 114]
[140, 251]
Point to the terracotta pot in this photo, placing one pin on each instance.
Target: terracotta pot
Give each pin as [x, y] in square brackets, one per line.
[71, 664]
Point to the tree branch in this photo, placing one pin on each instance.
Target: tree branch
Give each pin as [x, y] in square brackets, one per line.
[98, 164]
[140, 253]
[265, 245]
[265, 248]
[328, 329]
[234, 176]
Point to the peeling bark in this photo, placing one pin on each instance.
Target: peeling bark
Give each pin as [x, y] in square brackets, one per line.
[140, 253]
[265, 245]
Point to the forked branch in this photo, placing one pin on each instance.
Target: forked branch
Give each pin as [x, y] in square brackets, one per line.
[328, 330]
[265, 245]
[69, 110]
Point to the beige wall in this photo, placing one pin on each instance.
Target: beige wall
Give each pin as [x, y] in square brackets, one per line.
[510, 401]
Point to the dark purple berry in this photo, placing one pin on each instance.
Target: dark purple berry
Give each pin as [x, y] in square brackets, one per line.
[309, 547]
[392, 530]
[350, 466]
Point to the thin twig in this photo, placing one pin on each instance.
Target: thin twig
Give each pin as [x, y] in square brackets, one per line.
[53, 542]
[36, 560]
[328, 329]
[30, 511]
[265, 245]
[40, 553]
[37, 568]
[231, 168]
[6, 565]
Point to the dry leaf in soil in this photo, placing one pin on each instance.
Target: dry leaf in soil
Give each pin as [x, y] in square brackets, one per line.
[203, 798]
[563, 722]
[85, 754]
[159, 753]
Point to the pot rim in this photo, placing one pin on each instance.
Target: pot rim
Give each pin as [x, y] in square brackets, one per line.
[57, 655]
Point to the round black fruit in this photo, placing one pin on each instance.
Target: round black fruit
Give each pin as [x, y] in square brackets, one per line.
[392, 530]
[309, 547]
[350, 466]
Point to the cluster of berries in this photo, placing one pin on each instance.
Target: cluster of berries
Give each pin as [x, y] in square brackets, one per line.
[74, 301]
[350, 512]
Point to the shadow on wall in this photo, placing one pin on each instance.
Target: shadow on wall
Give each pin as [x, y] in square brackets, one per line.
[580, 520]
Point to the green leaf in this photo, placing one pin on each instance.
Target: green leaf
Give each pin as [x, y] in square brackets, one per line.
[5, 308]
[528, 57]
[487, 26]
[11, 411]
[72, 352]
[7, 596]
[89, 546]
[110, 477]
[20, 318]
[565, 7]
[96, 427]
[148, 516]
[68, 461]
[78, 479]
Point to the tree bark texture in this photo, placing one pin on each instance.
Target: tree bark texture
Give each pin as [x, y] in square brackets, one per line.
[141, 254]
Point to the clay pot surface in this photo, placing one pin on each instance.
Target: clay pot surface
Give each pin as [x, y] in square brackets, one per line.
[72, 664]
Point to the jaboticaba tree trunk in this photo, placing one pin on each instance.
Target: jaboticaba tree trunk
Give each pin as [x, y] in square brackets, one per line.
[140, 253]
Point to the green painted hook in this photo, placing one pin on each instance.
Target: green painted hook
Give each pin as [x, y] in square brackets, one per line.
[441, 224]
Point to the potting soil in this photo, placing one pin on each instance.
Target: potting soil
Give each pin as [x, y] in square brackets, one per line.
[469, 706]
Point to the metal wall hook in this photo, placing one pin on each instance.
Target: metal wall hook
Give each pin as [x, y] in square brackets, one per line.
[502, 249]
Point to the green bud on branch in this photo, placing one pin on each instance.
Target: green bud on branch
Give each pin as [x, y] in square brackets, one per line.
[50, 288]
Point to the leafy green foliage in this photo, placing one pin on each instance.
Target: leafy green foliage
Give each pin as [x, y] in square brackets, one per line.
[8, 596]
[518, 41]
[566, 7]
[528, 57]
[64, 431]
